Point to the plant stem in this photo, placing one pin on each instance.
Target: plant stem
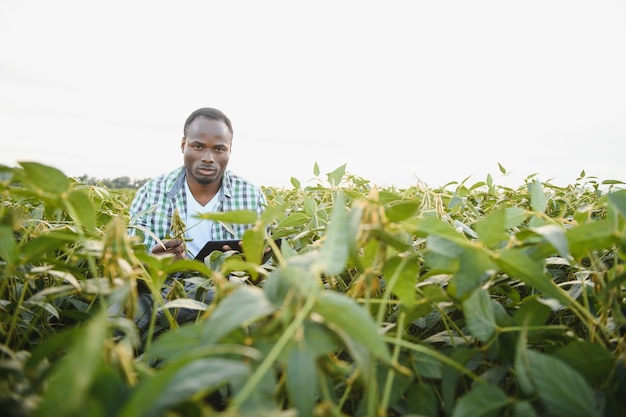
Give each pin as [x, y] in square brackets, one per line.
[396, 353]
[440, 357]
[268, 362]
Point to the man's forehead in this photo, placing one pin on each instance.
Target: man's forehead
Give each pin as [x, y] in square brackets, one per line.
[209, 126]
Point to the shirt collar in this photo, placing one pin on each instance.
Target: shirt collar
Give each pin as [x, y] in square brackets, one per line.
[226, 184]
[179, 183]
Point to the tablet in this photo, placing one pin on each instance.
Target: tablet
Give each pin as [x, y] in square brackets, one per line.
[234, 244]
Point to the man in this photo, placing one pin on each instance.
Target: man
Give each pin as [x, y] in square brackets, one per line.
[203, 184]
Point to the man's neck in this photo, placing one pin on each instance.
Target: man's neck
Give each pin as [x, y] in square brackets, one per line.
[203, 193]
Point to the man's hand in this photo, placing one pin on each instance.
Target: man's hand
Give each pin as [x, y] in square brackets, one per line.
[173, 247]
[227, 248]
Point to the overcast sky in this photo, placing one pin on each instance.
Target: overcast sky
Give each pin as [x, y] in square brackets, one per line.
[397, 90]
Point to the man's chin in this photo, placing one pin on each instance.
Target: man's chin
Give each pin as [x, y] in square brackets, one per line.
[204, 179]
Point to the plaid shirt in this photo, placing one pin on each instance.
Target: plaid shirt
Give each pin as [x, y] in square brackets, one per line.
[154, 203]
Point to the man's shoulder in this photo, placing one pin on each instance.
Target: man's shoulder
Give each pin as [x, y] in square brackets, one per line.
[166, 179]
[237, 181]
[160, 186]
[240, 191]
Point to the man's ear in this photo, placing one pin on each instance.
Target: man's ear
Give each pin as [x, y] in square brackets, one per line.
[182, 144]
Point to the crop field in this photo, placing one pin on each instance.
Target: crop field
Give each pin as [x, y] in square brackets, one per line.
[468, 300]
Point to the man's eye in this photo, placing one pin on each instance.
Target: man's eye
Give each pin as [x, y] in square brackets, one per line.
[197, 147]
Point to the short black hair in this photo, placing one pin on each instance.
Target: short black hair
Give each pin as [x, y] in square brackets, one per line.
[208, 113]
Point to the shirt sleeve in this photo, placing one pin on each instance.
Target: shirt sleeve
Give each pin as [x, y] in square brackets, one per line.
[142, 215]
[137, 206]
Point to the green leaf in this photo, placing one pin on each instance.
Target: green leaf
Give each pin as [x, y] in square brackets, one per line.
[563, 390]
[442, 253]
[272, 213]
[402, 210]
[479, 315]
[491, 229]
[482, 401]
[234, 217]
[286, 250]
[54, 343]
[451, 376]
[296, 184]
[187, 303]
[618, 199]
[310, 206]
[319, 339]
[293, 220]
[514, 217]
[301, 378]
[254, 247]
[474, 268]
[401, 243]
[335, 177]
[108, 393]
[316, 169]
[555, 236]
[523, 369]
[403, 285]
[532, 313]
[538, 199]
[81, 209]
[443, 245]
[44, 179]
[343, 312]
[423, 400]
[49, 308]
[8, 246]
[180, 381]
[517, 264]
[591, 236]
[291, 278]
[76, 371]
[426, 366]
[335, 248]
[523, 409]
[46, 242]
[432, 226]
[612, 182]
[591, 360]
[465, 229]
[260, 400]
[240, 308]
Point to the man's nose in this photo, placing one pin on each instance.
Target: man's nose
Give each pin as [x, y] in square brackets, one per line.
[207, 155]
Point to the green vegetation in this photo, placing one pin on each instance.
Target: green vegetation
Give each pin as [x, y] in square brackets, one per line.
[467, 300]
[114, 183]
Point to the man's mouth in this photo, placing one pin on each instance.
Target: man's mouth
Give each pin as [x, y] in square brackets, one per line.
[207, 170]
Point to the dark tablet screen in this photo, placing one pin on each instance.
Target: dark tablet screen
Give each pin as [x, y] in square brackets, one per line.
[214, 245]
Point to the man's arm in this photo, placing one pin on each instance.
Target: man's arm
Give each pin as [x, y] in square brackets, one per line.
[146, 212]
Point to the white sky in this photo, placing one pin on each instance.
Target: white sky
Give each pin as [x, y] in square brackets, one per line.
[398, 90]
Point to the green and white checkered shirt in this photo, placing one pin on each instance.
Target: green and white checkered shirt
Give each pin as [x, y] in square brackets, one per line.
[154, 203]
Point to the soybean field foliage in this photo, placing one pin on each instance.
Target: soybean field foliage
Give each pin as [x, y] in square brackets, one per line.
[465, 300]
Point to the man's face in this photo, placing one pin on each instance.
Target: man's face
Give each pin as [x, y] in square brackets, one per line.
[206, 150]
